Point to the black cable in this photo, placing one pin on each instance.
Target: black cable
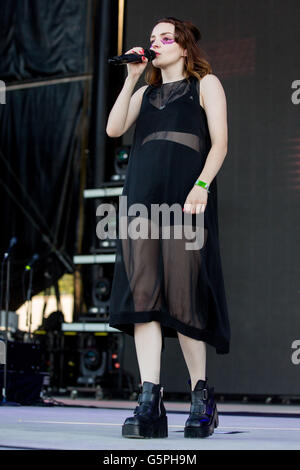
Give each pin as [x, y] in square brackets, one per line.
[22, 208]
[64, 257]
[67, 217]
[79, 128]
[23, 285]
[2, 156]
[1, 287]
[63, 195]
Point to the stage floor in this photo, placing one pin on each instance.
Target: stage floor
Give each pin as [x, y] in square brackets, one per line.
[98, 427]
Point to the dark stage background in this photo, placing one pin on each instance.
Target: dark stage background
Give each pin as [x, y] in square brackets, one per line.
[253, 49]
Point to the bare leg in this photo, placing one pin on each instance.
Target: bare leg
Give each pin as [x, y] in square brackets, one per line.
[148, 343]
[194, 352]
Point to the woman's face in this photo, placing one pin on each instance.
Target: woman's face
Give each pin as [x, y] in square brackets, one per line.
[162, 42]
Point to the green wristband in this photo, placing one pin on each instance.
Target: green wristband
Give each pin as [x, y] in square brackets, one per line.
[203, 184]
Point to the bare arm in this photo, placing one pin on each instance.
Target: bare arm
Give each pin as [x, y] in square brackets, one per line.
[126, 109]
[214, 102]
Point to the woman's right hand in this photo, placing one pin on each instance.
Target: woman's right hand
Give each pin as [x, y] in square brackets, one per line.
[135, 69]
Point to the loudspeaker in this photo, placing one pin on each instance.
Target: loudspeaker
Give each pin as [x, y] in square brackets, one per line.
[25, 372]
[25, 357]
[23, 387]
[96, 281]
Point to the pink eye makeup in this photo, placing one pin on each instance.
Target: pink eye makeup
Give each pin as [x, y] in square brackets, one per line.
[164, 40]
[167, 40]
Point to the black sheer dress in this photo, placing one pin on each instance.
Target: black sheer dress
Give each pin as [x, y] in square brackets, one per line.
[158, 279]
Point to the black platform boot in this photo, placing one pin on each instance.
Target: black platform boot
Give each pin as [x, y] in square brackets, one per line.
[149, 418]
[203, 418]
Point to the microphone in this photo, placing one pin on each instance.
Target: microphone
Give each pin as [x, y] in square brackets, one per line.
[31, 262]
[12, 243]
[128, 58]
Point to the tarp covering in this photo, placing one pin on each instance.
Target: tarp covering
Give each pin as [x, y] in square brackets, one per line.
[42, 39]
[41, 130]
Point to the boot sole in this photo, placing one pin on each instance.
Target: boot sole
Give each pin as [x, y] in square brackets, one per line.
[142, 431]
[205, 431]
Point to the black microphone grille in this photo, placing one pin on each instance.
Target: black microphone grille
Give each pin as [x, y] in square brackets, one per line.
[150, 54]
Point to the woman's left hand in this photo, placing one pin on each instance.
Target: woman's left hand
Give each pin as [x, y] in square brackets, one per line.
[196, 200]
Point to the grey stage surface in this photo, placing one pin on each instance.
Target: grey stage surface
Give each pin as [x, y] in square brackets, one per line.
[99, 428]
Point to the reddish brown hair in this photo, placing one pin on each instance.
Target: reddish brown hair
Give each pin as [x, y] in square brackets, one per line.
[187, 35]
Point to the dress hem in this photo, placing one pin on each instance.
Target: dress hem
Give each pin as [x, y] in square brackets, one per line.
[124, 322]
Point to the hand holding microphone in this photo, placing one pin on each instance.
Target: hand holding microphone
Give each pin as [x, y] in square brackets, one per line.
[136, 59]
[135, 69]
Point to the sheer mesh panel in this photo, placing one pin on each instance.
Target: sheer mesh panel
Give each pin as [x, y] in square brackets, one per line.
[181, 280]
[169, 92]
[141, 258]
[183, 138]
[152, 263]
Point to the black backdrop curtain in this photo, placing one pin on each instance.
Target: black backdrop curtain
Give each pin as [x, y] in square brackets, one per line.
[41, 131]
[42, 39]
